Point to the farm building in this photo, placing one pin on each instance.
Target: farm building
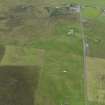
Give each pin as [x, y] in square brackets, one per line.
[63, 10]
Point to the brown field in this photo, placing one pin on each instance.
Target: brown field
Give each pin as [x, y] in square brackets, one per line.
[96, 80]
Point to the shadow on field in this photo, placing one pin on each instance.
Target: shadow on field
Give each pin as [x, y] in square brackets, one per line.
[2, 52]
[18, 85]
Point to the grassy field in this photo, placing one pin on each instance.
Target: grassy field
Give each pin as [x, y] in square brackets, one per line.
[61, 80]
[31, 37]
[95, 81]
[16, 55]
[18, 84]
[94, 25]
[94, 31]
[20, 69]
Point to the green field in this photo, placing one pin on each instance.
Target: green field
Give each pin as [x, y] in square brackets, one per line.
[20, 70]
[29, 36]
[60, 63]
[16, 55]
[94, 25]
[33, 38]
[94, 31]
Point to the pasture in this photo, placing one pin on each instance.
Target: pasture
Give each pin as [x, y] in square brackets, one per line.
[95, 81]
[37, 39]
[94, 31]
[16, 55]
[18, 84]
[29, 36]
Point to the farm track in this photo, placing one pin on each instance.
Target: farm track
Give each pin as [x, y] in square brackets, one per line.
[84, 55]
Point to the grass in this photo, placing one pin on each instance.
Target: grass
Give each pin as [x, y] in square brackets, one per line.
[57, 87]
[63, 52]
[18, 84]
[20, 70]
[94, 32]
[51, 46]
[91, 12]
[95, 80]
[2, 52]
[15, 55]
[55, 51]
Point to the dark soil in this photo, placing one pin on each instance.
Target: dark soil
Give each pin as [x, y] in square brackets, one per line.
[2, 52]
[18, 85]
